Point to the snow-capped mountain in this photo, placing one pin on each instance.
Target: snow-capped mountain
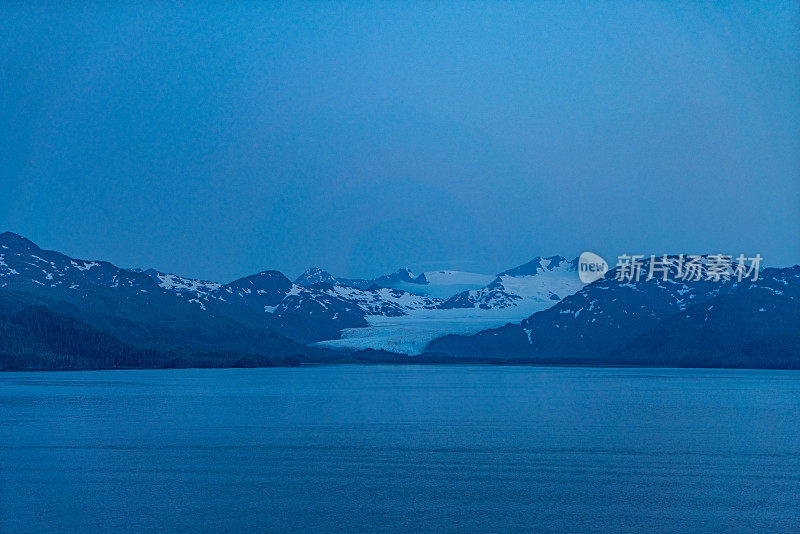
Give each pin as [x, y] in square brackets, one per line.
[403, 275]
[339, 303]
[435, 284]
[315, 275]
[533, 286]
[129, 305]
[189, 287]
[491, 301]
[704, 319]
[263, 290]
[394, 294]
[318, 306]
[23, 265]
[303, 313]
[102, 288]
[404, 280]
[601, 317]
[381, 300]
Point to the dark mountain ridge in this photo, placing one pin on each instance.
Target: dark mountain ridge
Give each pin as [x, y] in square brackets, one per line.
[150, 318]
[654, 322]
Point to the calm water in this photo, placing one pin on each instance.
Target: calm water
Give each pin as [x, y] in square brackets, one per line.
[400, 448]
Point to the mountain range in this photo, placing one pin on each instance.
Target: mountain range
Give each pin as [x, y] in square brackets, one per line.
[61, 312]
[726, 323]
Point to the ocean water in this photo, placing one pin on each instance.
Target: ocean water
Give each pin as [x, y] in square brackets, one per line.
[399, 449]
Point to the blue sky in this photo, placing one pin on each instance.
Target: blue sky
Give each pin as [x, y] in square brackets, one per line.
[223, 139]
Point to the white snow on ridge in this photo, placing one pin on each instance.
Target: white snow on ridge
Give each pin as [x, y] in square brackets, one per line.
[180, 284]
[534, 290]
[6, 266]
[372, 302]
[509, 299]
[542, 285]
[85, 267]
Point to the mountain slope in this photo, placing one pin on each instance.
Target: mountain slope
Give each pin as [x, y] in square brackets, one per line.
[39, 334]
[535, 286]
[600, 317]
[191, 287]
[270, 300]
[129, 305]
[489, 303]
[756, 325]
[315, 275]
[654, 322]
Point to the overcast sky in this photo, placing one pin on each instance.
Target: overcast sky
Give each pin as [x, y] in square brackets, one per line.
[221, 140]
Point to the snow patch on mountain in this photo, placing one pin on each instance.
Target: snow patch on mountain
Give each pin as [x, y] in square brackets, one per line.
[535, 285]
[383, 301]
[181, 285]
[315, 275]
